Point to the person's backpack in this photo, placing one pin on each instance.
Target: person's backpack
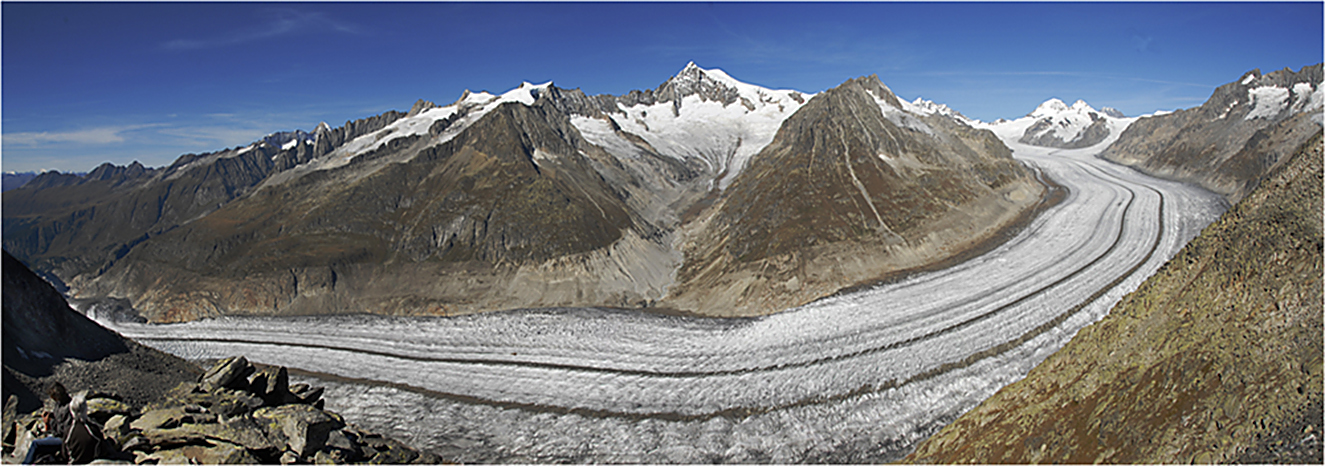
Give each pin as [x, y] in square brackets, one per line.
[85, 442]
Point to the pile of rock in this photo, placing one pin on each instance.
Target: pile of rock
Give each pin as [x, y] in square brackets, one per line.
[237, 413]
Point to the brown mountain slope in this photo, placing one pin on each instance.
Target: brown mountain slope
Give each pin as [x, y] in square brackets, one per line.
[447, 231]
[846, 194]
[1246, 128]
[1216, 358]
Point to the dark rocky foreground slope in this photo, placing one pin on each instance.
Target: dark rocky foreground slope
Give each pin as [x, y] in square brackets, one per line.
[158, 408]
[1246, 128]
[46, 341]
[1216, 358]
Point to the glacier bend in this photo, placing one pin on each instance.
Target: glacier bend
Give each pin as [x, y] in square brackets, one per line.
[859, 377]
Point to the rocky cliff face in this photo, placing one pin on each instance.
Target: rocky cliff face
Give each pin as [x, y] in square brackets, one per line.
[45, 340]
[1216, 358]
[234, 413]
[1245, 129]
[852, 187]
[537, 197]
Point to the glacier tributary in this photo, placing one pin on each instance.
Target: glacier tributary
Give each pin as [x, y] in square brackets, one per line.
[859, 377]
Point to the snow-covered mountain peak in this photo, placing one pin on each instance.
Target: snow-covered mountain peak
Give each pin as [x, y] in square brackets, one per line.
[1056, 108]
[1056, 124]
[465, 111]
[701, 115]
[1050, 107]
[526, 94]
[921, 106]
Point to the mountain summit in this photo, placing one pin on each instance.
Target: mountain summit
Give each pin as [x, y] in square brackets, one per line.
[853, 187]
[1055, 124]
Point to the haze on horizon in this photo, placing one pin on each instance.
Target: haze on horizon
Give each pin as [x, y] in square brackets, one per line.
[90, 83]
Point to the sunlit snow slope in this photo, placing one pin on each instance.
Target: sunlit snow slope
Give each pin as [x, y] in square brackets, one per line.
[854, 378]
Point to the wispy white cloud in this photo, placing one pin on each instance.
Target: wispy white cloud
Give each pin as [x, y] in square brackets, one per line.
[283, 22]
[1076, 74]
[102, 135]
[215, 137]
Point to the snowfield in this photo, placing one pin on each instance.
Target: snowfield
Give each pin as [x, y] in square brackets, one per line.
[860, 377]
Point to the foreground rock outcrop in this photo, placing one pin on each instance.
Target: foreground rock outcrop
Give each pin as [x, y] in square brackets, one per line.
[233, 414]
[1216, 358]
[159, 408]
[45, 341]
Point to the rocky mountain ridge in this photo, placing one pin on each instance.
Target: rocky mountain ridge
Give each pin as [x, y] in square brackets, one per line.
[540, 196]
[68, 226]
[1246, 128]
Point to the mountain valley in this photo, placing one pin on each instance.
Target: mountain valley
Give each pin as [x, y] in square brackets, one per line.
[835, 277]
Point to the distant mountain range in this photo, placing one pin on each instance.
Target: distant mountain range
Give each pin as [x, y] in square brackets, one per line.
[705, 195]
[15, 180]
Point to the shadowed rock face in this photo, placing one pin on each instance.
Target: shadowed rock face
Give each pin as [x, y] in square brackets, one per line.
[45, 341]
[1216, 358]
[40, 330]
[842, 181]
[1245, 129]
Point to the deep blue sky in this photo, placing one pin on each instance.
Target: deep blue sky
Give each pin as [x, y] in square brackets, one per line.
[87, 83]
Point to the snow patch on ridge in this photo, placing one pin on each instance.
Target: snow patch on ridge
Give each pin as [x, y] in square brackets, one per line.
[925, 107]
[904, 117]
[1267, 102]
[1308, 98]
[468, 109]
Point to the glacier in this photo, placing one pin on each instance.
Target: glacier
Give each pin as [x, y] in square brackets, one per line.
[858, 377]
